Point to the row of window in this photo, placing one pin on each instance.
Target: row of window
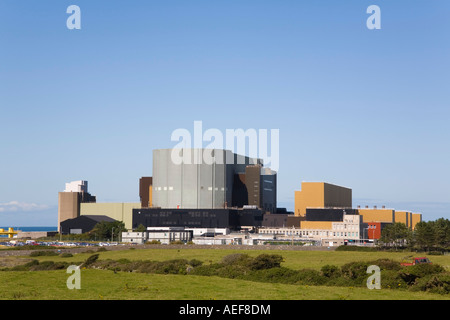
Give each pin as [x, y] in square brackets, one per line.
[310, 233]
[171, 188]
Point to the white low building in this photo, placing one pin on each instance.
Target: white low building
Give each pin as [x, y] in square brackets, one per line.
[134, 237]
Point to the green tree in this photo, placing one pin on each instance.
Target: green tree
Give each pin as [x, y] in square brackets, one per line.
[108, 230]
[442, 233]
[396, 234]
[432, 234]
[424, 235]
[141, 228]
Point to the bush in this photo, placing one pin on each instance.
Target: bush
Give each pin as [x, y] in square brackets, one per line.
[356, 248]
[330, 271]
[43, 253]
[236, 259]
[411, 273]
[66, 255]
[436, 283]
[391, 279]
[310, 277]
[355, 270]
[387, 264]
[177, 266]
[195, 263]
[274, 275]
[266, 261]
[153, 242]
[48, 265]
[90, 260]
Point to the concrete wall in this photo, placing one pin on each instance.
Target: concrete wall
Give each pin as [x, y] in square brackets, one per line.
[202, 180]
[68, 206]
[118, 211]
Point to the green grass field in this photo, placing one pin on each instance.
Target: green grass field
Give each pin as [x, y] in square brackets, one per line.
[102, 284]
[292, 259]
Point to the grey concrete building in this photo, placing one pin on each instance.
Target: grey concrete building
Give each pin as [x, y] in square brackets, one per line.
[204, 179]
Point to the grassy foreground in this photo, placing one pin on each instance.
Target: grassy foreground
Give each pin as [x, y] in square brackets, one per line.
[104, 284]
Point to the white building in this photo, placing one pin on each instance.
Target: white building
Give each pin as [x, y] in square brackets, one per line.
[134, 237]
[328, 233]
[77, 186]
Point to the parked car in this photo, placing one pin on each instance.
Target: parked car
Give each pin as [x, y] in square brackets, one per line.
[420, 260]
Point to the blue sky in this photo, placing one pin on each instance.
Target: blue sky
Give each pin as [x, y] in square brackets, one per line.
[366, 109]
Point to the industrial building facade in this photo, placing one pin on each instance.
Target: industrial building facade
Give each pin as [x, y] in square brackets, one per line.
[214, 188]
[226, 180]
[321, 195]
[197, 218]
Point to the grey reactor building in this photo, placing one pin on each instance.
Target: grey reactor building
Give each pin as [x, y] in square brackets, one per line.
[205, 188]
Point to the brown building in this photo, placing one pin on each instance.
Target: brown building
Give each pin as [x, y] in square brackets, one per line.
[145, 191]
[69, 200]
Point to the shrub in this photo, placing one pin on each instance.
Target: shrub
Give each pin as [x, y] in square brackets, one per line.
[386, 264]
[236, 259]
[195, 263]
[411, 273]
[177, 266]
[43, 253]
[266, 261]
[48, 265]
[330, 271]
[275, 275]
[355, 270]
[153, 242]
[390, 279]
[310, 277]
[90, 260]
[436, 283]
[66, 255]
[356, 248]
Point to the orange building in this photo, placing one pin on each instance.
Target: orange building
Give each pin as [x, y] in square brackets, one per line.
[321, 195]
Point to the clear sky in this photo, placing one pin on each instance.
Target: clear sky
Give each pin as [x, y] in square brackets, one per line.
[366, 109]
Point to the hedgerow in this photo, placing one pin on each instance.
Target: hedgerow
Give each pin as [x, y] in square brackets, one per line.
[268, 268]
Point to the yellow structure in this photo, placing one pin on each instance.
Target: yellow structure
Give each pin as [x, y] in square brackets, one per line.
[321, 195]
[390, 216]
[11, 232]
[118, 211]
[377, 215]
[415, 219]
[403, 217]
[323, 225]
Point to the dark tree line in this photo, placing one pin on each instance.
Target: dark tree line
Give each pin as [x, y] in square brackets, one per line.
[427, 235]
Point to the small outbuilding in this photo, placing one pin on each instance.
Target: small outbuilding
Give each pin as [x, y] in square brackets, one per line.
[82, 224]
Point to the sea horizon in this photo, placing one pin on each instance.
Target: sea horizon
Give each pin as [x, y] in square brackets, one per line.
[32, 228]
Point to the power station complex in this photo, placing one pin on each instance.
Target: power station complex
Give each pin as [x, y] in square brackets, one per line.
[214, 193]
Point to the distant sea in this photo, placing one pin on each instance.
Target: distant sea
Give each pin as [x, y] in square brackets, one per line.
[31, 228]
